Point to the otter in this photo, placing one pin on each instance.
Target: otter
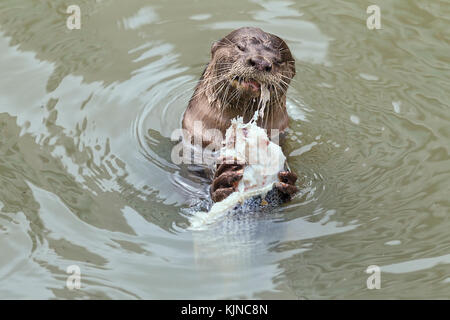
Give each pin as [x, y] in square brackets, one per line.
[230, 87]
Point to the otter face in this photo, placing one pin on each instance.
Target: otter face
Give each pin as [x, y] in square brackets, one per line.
[249, 57]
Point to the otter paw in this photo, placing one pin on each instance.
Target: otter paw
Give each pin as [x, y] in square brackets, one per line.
[226, 180]
[221, 194]
[287, 184]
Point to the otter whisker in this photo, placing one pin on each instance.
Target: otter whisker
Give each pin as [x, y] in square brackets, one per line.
[233, 84]
[288, 78]
[207, 88]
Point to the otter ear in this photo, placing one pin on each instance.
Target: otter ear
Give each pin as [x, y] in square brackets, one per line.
[214, 47]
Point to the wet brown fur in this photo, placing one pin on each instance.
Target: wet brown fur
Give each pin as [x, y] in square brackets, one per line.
[216, 101]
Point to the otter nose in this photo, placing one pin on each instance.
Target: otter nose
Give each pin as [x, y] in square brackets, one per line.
[259, 63]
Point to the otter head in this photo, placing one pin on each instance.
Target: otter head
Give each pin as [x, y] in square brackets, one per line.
[243, 61]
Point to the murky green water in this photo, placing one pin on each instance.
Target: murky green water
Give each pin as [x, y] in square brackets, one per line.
[86, 176]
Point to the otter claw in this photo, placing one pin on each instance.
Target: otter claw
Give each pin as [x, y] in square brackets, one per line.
[286, 189]
[226, 180]
[287, 183]
[221, 194]
[287, 177]
[227, 167]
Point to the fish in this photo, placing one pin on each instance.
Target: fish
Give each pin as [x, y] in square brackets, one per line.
[262, 160]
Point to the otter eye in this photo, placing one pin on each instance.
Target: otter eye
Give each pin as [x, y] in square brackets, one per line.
[278, 61]
[240, 47]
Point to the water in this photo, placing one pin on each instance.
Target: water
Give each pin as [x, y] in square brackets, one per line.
[87, 179]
